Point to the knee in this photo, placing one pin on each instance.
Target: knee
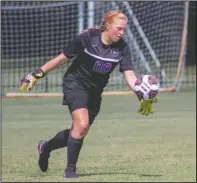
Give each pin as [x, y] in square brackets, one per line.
[79, 128]
[80, 125]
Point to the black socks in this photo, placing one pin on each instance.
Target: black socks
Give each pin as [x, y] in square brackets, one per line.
[63, 139]
[73, 149]
[59, 141]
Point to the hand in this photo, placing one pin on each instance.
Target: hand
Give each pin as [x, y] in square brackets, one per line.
[27, 82]
[146, 106]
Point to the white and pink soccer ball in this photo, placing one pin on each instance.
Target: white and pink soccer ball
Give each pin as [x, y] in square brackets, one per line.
[147, 87]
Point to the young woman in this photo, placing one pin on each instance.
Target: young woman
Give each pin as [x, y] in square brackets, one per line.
[97, 51]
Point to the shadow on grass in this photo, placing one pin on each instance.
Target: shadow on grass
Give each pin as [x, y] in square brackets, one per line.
[118, 173]
[46, 174]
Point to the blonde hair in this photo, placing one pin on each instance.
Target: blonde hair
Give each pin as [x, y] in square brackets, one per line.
[108, 19]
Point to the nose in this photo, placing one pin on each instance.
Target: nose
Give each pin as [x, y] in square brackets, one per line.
[121, 32]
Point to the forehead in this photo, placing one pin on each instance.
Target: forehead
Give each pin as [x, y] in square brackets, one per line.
[119, 22]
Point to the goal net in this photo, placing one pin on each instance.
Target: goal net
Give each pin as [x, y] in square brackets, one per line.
[33, 32]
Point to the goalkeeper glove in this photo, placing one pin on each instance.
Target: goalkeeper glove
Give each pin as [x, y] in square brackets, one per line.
[146, 106]
[28, 81]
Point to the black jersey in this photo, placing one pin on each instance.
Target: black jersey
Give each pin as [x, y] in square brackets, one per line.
[93, 60]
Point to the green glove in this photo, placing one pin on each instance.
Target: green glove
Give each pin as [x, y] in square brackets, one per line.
[27, 82]
[146, 106]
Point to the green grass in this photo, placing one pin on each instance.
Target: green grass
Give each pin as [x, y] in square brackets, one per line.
[121, 146]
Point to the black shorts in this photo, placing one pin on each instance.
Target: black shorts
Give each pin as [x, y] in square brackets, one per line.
[76, 96]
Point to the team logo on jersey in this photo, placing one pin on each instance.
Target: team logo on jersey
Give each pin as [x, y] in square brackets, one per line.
[114, 52]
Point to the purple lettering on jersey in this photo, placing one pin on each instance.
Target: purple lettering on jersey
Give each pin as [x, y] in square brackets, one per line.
[102, 67]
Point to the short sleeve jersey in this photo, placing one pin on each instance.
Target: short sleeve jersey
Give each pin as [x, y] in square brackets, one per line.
[93, 61]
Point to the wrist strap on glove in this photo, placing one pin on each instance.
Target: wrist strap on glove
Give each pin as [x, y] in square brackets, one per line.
[38, 74]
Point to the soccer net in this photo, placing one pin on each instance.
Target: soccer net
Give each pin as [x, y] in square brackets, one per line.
[34, 32]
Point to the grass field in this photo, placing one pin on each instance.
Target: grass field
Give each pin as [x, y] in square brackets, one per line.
[121, 146]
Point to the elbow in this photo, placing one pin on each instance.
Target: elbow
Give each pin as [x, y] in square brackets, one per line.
[63, 58]
[60, 59]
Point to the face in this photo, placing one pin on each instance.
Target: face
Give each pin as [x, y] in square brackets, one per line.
[116, 29]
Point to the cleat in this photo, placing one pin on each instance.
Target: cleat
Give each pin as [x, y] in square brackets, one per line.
[43, 155]
[70, 172]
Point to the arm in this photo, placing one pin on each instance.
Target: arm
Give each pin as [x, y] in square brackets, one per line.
[72, 49]
[130, 78]
[126, 66]
[27, 82]
[54, 63]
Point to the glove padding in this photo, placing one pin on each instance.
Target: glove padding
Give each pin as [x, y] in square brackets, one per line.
[27, 82]
[146, 106]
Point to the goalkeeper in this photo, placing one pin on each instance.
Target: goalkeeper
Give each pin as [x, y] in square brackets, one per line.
[96, 52]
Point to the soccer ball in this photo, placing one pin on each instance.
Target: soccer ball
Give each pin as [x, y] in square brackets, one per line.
[147, 87]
